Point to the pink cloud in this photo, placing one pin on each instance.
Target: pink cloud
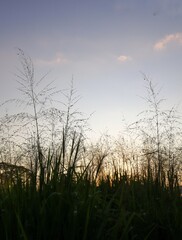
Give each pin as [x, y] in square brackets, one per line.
[161, 44]
[123, 58]
[59, 59]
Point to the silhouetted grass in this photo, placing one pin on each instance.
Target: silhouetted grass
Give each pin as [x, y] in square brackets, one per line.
[72, 205]
[69, 192]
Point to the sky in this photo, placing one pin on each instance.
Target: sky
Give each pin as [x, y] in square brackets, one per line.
[105, 46]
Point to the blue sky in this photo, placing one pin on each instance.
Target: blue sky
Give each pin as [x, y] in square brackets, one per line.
[103, 44]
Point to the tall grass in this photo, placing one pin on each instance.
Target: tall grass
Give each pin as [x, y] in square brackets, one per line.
[81, 202]
[54, 185]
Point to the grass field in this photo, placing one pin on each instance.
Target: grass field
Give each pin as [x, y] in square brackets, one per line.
[88, 204]
[54, 185]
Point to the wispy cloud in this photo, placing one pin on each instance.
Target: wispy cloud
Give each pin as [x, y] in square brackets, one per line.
[124, 58]
[161, 44]
[59, 59]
